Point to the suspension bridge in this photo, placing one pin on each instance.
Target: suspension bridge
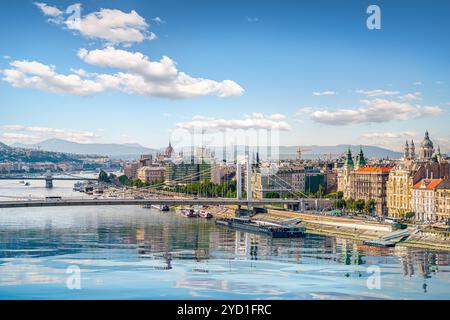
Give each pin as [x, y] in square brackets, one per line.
[156, 195]
[48, 178]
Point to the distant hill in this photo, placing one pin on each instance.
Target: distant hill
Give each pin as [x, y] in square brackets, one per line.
[369, 151]
[133, 150]
[19, 154]
[4, 147]
[311, 152]
[111, 150]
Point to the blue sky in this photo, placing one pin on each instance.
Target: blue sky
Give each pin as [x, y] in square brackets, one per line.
[311, 69]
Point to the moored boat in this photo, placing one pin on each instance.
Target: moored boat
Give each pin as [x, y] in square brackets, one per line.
[262, 227]
[205, 214]
[161, 207]
[189, 212]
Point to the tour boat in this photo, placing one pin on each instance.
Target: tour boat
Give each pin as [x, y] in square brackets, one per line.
[205, 214]
[98, 190]
[161, 207]
[190, 213]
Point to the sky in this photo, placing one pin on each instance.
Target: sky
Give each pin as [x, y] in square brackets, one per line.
[147, 71]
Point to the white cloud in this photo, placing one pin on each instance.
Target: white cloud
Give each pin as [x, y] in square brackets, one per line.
[6, 57]
[48, 10]
[277, 116]
[324, 93]
[389, 135]
[373, 111]
[391, 140]
[134, 62]
[411, 96]
[158, 20]
[32, 74]
[424, 111]
[417, 83]
[112, 26]
[378, 93]
[254, 121]
[138, 75]
[33, 134]
[154, 78]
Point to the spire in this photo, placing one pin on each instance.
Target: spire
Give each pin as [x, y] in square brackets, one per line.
[349, 161]
[406, 154]
[361, 161]
[412, 151]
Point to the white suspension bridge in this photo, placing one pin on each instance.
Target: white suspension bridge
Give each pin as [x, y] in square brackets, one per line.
[156, 196]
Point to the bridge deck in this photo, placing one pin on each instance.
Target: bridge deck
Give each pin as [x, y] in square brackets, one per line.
[44, 178]
[124, 202]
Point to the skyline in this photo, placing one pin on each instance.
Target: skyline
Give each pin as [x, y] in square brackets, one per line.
[253, 67]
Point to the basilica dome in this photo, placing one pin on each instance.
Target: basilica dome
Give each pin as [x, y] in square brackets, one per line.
[426, 143]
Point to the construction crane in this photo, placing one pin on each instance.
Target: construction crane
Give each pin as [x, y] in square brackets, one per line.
[300, 150]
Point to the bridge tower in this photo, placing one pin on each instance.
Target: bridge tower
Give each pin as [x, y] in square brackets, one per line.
[238, 181]
[48, 179]
[249, 180]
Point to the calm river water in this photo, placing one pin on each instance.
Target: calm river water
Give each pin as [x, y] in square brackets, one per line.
[137, 253]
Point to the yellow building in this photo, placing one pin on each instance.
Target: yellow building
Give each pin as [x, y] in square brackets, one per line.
[398, 188]
[442, 198]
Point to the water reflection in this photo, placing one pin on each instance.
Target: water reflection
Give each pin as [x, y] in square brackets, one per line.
[150, 254]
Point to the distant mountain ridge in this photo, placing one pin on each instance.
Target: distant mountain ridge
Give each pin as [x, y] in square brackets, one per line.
[104, 149]
[309, 152]
[341, 149]
[133, 150]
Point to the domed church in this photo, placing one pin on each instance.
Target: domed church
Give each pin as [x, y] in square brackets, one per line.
[426, 148]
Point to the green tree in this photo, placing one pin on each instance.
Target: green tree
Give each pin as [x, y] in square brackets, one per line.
[123, 179]
[350, 204]
[319, 193]
[409, 215]
[339, 204]
[103, 177]
[359, 205]
[369, 206]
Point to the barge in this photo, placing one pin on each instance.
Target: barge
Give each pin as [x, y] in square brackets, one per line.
[273, 230]
[188, 212]
[161, 207]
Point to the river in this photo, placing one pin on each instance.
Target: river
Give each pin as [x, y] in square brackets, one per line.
[136, 253]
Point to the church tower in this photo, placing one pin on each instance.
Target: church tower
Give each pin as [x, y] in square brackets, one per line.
[406, 154]
[344, 178]
[412, 151]
[349, 160]
[360, 159]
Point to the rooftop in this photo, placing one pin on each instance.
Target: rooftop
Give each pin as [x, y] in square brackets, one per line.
[374, 169]
[428, 184]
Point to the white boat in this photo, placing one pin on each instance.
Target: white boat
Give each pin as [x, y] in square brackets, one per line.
[189, 212]
[205, 214]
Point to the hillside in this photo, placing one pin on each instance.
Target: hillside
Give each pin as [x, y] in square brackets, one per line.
[111, 150]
